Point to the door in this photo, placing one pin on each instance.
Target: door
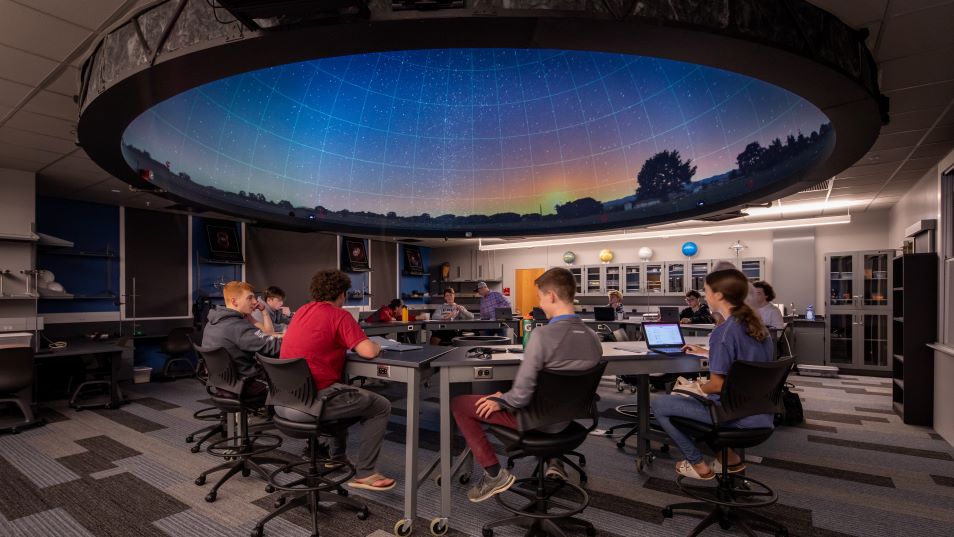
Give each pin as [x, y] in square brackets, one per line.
[874, 342]
[841, 329]
[632, 283]
[841, 278]
[526, 292]
[654, 278]
[874, 283]
[675, 278]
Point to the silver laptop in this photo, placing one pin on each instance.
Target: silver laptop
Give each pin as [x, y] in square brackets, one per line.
[664, 338]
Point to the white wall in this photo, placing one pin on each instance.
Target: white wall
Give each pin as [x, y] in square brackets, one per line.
[922, 202]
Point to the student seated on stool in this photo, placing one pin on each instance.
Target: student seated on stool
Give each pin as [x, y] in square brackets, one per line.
[563, 344]
[274, 306]
[741, 337]
[322, 332]
[449, 311]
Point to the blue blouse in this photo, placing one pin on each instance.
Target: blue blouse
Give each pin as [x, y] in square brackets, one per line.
[730, 342]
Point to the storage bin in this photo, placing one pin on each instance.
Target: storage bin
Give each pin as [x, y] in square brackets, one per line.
[141, 375]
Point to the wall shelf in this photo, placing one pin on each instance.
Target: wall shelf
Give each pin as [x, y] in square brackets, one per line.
[913, 373]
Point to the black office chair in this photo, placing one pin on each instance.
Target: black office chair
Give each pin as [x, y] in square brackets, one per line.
[298, 410]
[176, 346]
[227, 389]
[750, 388]
[207, 414]
[16, 384]
[560, 396]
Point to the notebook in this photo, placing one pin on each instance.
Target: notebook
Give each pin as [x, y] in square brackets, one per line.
[391, 345]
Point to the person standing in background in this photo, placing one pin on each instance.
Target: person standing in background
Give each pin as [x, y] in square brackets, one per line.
[762, 296]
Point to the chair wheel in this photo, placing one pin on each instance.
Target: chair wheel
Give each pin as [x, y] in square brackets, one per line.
[487, 532]
[620, 444]
[246, 472]
[200, 480]
[725, 524]
[463, 479]
[667, 512]
[342, 492]
[582, 479]
[195, 449]
[257, 531]
[403, 528]
[363, 514]
[632, 390]
[269, 489]
[582, 461]
[437, 481]
[279, 502]
[439, 526]
[210, 497]
[190, 439]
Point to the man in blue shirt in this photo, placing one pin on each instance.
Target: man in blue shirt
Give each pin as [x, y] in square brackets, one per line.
[490, 301]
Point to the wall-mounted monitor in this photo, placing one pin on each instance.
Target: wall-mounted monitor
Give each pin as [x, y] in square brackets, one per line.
[413, 262]
[224, 244]
[354, 255]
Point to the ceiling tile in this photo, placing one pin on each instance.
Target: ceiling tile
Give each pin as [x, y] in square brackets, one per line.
[42, 124]
[27, 154]
[89, 15]
[31, 139]
[908, 6]
[915, 32]
[913, 120]
[941, 133]
[77, 166]
[884, 156]
[11, 93]
[867, 170]
[53, 104]
[24, 67]
[918, 97]
[67, 83]
[19, 164]
[937, 150]
[33, 31]
[896, 140]
[929, 67]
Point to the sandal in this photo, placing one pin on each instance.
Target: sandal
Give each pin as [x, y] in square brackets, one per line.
[733, 468]
[685, 468]
[373, 482]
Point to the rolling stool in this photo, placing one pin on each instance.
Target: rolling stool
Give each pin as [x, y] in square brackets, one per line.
[244, 449]
[560, 396]
[206, 414]
[750, 388]
[298, 410]
[176, 345]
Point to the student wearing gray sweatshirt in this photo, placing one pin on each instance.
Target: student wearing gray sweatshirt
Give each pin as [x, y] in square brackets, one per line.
[563, 344]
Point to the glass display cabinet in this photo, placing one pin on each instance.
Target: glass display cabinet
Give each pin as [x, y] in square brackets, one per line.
[675, 278]
[632, 279]
[654, 278]
[612, 278]
[858, 309]
[593, 280]
[698, 270]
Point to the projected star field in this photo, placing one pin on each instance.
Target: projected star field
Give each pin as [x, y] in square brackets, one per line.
[546, 137]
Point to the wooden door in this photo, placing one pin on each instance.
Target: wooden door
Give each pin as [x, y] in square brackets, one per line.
[525, 298]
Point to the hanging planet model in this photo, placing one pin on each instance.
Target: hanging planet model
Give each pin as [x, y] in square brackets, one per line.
[606, 255]
[569, 257]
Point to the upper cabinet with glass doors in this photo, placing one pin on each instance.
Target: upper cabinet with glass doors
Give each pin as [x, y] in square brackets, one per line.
[858, 280]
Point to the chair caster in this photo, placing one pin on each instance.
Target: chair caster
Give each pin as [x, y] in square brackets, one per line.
[582, 480]
[210, 497]
[269, 489]
[403, 527]
[439, 526]
[246, 472]
[258, 531]
[487, 532]
[195, 449]
[633, 390]
[582, 462]
[200, 480]
[664, 448]
[667, 512]
[279, 502]
[363, 514]
[342, 492]
[620, 444]
[190, 439]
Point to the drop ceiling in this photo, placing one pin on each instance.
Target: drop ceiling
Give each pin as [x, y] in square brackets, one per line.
[43, 43]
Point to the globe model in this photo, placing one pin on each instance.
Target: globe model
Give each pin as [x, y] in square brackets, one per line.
[645, 253]
[606, 256]
[689, 249]
[569, 257]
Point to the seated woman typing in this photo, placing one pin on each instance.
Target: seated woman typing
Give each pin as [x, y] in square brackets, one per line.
[741, 337]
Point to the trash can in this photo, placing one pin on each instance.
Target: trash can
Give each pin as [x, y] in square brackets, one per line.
[141, 375]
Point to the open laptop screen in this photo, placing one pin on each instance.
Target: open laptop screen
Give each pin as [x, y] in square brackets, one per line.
[663, 335]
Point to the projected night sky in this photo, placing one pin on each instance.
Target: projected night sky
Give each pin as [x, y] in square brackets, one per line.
[478, 138]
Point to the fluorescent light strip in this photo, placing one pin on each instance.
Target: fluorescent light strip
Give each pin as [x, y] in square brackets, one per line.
[674, 232]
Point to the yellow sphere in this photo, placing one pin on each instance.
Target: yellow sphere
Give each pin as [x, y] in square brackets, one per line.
[606, 256]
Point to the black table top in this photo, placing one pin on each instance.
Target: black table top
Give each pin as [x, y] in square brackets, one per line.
[419, 358]
[78, 347]
[612, 351]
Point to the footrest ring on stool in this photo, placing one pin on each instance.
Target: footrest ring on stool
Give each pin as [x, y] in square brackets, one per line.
[208, 414]
[628, 410]
[739, 493]
[552, 486]
[349, 471]
[228, 447]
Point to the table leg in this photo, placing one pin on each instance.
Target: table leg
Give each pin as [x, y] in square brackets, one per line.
[410, 448]
[446, 431]
[642, 407]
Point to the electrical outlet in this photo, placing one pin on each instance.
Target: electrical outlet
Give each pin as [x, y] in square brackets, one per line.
[704, 363]
[483, 373]
[384, 371]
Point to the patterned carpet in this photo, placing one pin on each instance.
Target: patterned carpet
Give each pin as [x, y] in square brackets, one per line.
[852, 469]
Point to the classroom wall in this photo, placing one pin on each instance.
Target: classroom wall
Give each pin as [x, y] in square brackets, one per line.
[17, 190]
[288, 259]
[923, 201]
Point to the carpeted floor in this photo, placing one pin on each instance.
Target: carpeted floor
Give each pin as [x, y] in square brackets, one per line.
[852, 469]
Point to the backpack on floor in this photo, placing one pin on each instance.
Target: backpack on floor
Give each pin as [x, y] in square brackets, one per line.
[791, 412]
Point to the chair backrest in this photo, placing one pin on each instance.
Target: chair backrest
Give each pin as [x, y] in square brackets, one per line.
[562, 396]
[290, 384]
[16, 369]
[223, 374]
[752, 388]
[178, 341]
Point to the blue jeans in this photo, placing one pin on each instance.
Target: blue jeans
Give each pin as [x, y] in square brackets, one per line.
[668, 406]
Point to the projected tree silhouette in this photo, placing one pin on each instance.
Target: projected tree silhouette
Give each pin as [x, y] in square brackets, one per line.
[663, 174]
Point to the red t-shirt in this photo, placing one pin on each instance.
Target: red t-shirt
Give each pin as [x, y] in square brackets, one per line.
[322, 334]
[383, 315]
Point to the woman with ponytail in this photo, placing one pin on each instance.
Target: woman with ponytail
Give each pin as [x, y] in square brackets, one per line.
[741, 337]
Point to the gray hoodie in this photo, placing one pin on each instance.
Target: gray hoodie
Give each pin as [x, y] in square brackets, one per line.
[228, 329]
[279, 320]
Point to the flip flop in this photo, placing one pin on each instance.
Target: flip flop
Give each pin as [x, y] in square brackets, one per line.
[685, 468]
[363, 483]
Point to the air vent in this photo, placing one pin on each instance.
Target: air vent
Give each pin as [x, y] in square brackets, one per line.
[820, 187]
[721, 217]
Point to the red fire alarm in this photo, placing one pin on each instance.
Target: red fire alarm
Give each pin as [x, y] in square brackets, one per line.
[506, 291]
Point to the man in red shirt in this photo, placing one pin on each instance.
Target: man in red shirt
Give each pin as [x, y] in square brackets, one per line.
[387, 313]
[322, 332]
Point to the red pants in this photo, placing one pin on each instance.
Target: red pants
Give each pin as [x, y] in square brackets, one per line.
[464, 408]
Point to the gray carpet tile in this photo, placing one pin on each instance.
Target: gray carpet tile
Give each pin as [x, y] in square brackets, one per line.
[875, 410]
[52, 523]
[817, 427]
[898, 450]
[39, 468]
[936, 436]
[855, 419]
[153, 403]
[127, 419]
[193, 523]
[943, 480]
[833, 473]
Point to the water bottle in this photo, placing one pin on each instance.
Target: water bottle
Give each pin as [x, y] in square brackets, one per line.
[526, 326]
[404, 314]
[810, 313]
[791, 309]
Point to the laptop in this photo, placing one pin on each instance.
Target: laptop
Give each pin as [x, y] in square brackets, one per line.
[503, 314]
[604, 313]
[391, 345]
[538, 315]
[669, 314]
[664, 338]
